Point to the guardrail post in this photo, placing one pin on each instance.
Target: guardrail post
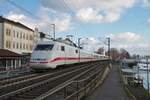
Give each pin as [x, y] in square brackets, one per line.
[85, 88]
[65, 93]
[77, 89]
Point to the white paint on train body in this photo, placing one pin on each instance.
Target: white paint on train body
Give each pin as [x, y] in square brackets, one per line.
[50, 54]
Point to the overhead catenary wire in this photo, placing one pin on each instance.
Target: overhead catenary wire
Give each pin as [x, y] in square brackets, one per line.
[65, 5]
[73, 12]
[21, 8]
[26, 11]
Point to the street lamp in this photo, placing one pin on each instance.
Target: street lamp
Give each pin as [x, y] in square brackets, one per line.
[108, 45]
[108, 38]
[53, 30]
[79, 47]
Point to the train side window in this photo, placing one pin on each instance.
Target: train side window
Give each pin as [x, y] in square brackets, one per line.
[76, 51]
[62, 48]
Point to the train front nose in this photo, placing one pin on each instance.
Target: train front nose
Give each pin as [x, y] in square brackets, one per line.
[39, 60]
[39, 65]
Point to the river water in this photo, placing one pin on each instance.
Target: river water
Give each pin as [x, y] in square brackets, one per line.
[144, 74]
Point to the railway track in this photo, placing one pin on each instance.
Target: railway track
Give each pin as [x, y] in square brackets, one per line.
[13, 80]
[4, 82]
[33, 87]
[14, 76]
[52, 83]
[60, 92]
[6, 89]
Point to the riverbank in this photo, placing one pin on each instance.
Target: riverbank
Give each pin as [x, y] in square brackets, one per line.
[132, 86]
[138, 92]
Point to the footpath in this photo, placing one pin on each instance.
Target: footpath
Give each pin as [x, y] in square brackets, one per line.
[111, 89]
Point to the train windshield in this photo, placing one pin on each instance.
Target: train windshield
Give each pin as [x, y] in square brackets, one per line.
[44, 47]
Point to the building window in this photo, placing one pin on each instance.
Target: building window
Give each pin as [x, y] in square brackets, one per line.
[21, 35]
[17, 45]
[14, 33]
[9, 63]
[2, 63]
[20, 45]
[27, 37]
[17, 34]
[8, 32]
[24, 46]
[62, 48]
[31, 38]
[31, 47]
[14, 45]
[8, 44]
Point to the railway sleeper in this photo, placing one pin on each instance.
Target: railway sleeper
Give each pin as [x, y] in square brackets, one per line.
[19, 98]
[36, 89]
[26, 96]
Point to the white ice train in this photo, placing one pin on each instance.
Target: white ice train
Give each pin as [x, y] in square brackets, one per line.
[50, 54]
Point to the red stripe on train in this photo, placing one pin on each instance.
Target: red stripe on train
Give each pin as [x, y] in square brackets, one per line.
[60, 59]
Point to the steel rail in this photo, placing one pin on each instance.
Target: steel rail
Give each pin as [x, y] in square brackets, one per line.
[61, 86]
[97, 74]
[11, 80]
[38, 84]
[33, 80]
[14, 76]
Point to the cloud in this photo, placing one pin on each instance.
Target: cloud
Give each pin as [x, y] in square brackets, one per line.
[91, 15]
[146, 3]
[91, 44]
[132, 42]
[127, 37]
[138, 48]
[89, 41]
[21, 18]
[148, 20]
[62, 22]
[95, 11]
[75, 5]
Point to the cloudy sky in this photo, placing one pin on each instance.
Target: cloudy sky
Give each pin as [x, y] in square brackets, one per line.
[127, 22]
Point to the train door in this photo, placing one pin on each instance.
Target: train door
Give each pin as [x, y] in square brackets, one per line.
[67, 54]
[63, 54]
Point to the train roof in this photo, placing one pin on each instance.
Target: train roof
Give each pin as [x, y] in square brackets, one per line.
[66, 41]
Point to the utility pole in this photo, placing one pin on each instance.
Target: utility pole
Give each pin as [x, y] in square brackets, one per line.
[138, 60]
[108, 47]
[79, 47]
[147, 74]
[53, 30]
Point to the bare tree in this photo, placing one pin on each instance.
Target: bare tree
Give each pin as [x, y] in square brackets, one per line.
[100, 50]
[124, 54]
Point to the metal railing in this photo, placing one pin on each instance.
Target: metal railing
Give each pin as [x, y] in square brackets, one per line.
[78, 88]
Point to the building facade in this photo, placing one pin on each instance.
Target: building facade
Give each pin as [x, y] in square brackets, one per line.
[17, 37]
[10, 60]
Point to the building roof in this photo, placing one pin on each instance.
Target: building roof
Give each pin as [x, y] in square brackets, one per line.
[7, 53]
[2, 20]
